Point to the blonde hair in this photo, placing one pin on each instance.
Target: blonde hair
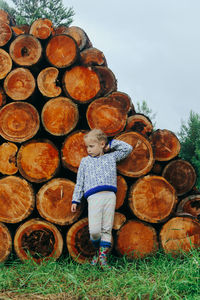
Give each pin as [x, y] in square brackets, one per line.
[97, 134]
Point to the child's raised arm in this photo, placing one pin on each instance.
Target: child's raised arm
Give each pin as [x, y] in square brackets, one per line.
[121, 149]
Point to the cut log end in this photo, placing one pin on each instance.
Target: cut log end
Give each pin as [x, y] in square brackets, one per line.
[181, 175]
[5, 243]
[73, 150]
[122, 188]
[136, 240]
[179, 235]
[107, 114]
[54, 202]
[41, 28]
[139, 123]
[81, 84]
[62, 51]
[19, 84]
[5, 34]
[60, 116]
[16, 199]
[47, 82]
[25, 50]
[8, 158]
[39, 240]
[141, 159]
[19, 121]
[5, 63]
[166, 144]
[38, 160]
[152, 199]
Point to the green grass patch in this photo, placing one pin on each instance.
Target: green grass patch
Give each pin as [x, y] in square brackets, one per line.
[157, 277]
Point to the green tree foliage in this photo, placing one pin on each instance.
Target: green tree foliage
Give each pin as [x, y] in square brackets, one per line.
[27, 11]
[142, 108]
[189, 137]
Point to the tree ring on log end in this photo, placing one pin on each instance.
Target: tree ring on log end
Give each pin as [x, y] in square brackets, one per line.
[166, 144]
[47, 82]
[60, 116]
[5, 63]
[152, 199]
[141, 159]
[136, 239]
[19, 121]
[25, 50]
[19, 84]
[181, 175]
[62, 51]
[5, 34]
[180, 234]
[39, 240]
[107, 114]
[17, 199]
[190, 205]
[38, 160]
[8, 153]
[73, 150]
[5, 243]
[54, 202]
[82, 84]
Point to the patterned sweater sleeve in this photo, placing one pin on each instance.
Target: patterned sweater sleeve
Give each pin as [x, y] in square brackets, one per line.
[121, 149]
[79, 187]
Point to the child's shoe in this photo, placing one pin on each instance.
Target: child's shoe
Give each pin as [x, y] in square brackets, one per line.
[103, 251]
[95, 260]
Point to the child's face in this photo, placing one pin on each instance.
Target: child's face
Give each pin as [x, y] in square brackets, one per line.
[94, 147]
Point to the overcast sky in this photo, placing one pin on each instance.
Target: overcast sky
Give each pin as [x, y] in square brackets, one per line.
[152, 47]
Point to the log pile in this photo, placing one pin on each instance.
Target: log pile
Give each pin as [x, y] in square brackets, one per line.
[54, 87]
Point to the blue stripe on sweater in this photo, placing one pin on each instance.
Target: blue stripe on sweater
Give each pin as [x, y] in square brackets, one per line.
[100, 188]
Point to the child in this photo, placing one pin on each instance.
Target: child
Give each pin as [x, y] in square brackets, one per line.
[97, 182]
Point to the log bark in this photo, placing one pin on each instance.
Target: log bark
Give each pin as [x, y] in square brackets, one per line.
[181, 175]
[82, 84]
[119, 220]
[141, 159]
[62, 29]
[25, 50]
[5, 34]
[16, 199]
[139, 123]
[5, 243]
[41, 28]
[136, 239]
[38, 160]
[62, 51]
[107, 114]
[54, 202]
[39, 240]
[180, 234]
[60, 116]
[19, 84]
[166, 144]
[80, 37]
[190, 205]
[8, 153]
[19, 121]
[92, 57]
[78, 242]
[122, 188]
[73, 150]
[152, 199]
[47, 82]
[5, 63]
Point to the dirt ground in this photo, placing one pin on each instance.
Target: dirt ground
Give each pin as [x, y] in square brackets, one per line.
[13, 296]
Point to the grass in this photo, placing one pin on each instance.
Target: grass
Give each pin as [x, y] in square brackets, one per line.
[157, 277]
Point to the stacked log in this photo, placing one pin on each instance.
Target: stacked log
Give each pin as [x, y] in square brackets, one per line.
[54, 87]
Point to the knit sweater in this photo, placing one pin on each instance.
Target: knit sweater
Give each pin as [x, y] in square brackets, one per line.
[96, 174]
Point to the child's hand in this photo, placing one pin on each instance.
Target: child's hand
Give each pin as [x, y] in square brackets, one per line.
[107, 148]
[73, 207]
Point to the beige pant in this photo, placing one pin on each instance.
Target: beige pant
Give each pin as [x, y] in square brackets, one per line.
[101, 210]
